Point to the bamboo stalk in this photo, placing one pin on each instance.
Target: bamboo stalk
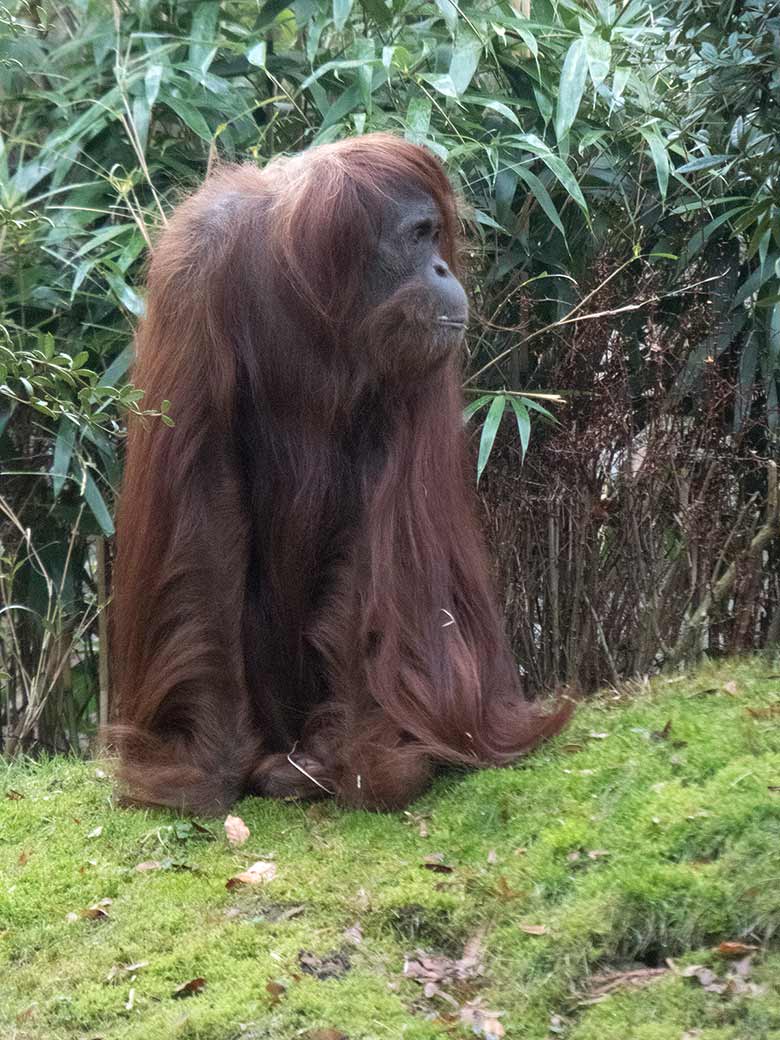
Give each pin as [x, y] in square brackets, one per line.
[104, 708]
[724, 585]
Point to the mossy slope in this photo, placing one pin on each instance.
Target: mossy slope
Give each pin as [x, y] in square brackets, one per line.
[649, 830]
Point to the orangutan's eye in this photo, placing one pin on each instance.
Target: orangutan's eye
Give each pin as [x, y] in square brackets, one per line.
[423, 230]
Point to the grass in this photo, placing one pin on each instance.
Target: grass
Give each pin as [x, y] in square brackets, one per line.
[649, 831]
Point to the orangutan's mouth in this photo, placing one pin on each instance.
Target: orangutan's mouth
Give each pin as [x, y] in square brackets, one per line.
[453, 323]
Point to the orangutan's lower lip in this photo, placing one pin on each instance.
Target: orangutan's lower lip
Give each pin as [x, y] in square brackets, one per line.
[454, 323]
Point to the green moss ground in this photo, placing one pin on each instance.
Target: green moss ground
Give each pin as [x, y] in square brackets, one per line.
[686, 827]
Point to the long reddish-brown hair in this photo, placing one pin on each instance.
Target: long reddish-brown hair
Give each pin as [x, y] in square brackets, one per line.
[298, 556]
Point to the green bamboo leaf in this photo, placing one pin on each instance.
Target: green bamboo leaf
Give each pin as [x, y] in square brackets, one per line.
[256, 55]
[753, 282]
[542, 196]
[567, 179]
[484, 218]
[450, 13]
[345, 103]
[571, 87]
[660, 156]
[338, 65]
[706, 162]
[98, 506]
[63, 450]
[6, 411]
[113, 374]
[85, 126]
[128, 297]
[619, 82]
[703, 204]
[418, 119]
[534, 406]
[366, 51]
[497, 106]
[544, 104]
[442, 82]
[188, 115]
[465, 59]
[773, 337]
[555, 164]
[204, 29]
[700, 238]
[523, 423]
[599, 55]
[152, 81]
[378, 10]
[103, 235]
[270, 12]
[607, 12]
[341, 10]
[489, 431]
[528, 39]
[748, 363]
[474, 406]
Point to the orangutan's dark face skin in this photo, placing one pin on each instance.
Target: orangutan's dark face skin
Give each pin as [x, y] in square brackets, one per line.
[411, 277]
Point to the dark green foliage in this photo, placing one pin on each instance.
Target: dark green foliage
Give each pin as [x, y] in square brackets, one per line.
[581, 134]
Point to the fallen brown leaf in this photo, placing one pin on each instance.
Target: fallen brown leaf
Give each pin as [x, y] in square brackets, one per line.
[662, 734]
[275, 991]
[433, 970]
[435, 862]
[189, 989]
[236, 831]
[419, 820]
[329, 966]
[354, 934]
[13, 796]
[93, 913]
[735, 949]
[23, 858]
[482, 1022]
[503, 890]
[259, 873]
[705, 976]
[119, 972]
[734, 984]
[772, 712]
[602, 985]
[534, 929]
[147, 865]
[325, 1034]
